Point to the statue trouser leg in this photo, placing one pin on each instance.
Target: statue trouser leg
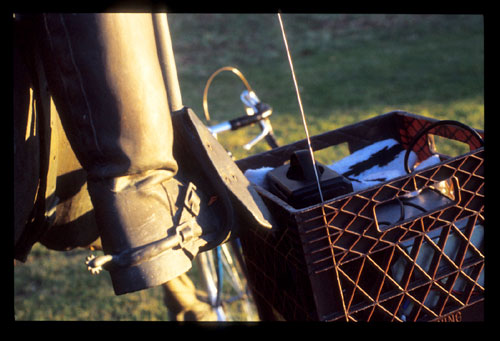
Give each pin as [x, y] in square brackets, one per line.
[182, 302]
[105, 76]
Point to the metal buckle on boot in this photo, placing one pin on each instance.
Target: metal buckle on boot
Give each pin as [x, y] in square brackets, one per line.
[186, 231]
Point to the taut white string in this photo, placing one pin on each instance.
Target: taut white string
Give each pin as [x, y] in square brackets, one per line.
[301, 108]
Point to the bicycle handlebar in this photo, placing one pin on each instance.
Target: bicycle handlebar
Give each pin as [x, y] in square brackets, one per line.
[242, 121]
[262, 113]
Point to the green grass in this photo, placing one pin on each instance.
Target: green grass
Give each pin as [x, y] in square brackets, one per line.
[56, 286]
[349, 68]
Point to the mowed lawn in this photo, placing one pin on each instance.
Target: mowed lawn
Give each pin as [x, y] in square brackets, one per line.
[349, 68]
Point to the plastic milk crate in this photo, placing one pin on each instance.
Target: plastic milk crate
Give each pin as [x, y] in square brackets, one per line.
[340, 262]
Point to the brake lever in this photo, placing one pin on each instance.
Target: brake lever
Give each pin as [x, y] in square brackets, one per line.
[252, 107]
[250, 100]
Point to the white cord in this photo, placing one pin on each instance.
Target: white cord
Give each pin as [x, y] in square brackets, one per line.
[301, 108]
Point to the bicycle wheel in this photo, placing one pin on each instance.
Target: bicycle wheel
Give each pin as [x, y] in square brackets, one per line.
[223, 275]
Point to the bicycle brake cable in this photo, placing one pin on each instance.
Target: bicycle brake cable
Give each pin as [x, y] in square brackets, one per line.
[210, 79]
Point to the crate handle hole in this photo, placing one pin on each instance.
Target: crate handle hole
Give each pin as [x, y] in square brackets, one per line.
[447, 147]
